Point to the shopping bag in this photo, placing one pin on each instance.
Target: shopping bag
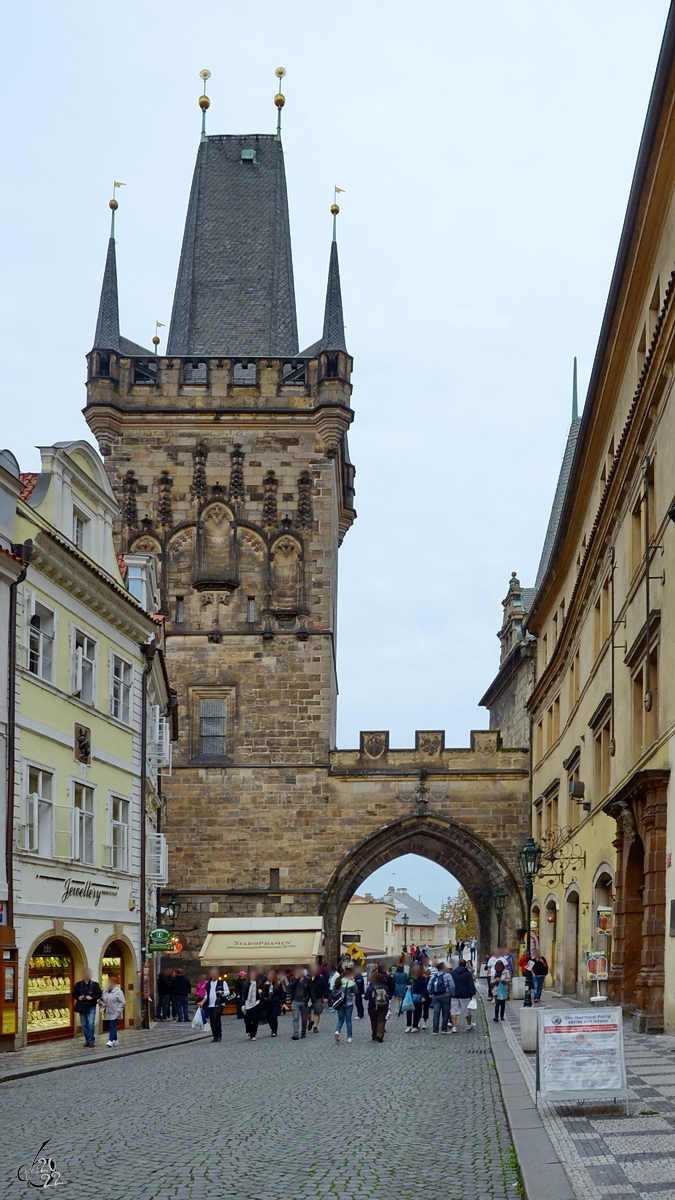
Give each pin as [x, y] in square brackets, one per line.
[408, 1002]
[473, 1004]
[199, 1020]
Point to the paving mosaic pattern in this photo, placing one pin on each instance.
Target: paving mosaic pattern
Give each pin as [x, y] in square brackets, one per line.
[605, 1152]
[270, 1118]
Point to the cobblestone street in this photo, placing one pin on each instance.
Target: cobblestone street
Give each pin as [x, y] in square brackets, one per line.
[418, 1114]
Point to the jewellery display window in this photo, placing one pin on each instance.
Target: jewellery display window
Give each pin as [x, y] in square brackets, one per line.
[50, 992]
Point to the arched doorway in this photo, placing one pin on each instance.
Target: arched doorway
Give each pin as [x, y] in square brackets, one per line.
[117, 959]
[571, 955]
[472, 861]
[549, 936]
[633, 905]
[52, 967]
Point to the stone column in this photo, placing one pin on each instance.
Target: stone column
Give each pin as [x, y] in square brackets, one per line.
[650, 980]
[615, 982]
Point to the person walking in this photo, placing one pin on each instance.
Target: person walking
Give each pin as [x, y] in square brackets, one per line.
[200, 988]
[272, 1001]
[163, 994]
[418, 993]
[539, 971]
[318, 996]
[252, 996]
[378, 994]
[465, 990]
[240, 994]
[473, 947]
[441, 990]
[112, 1002]
[180, 990]
[217, 992]
[501, 989]
[489, 967]
[400, 985]
[299, 986]
[361, 990]
[344, 996]
[460, 949]
[86, 995]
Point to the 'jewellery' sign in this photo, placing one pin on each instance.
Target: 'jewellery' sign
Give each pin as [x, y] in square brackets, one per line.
[84, 889]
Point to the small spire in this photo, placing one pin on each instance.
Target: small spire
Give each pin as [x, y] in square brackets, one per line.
[335, 208]
[107, 336]
[204, 102]
[333, 322]
[575, 396]
[113, 206]
[279, 99]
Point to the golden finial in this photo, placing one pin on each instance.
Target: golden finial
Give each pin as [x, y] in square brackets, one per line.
[155, 340]
[335, 208]
[204, 101]
[279, 99]
[113, 205]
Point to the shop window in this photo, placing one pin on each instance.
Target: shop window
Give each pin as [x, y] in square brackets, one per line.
[40, 636]
[50, 992]
[112, 963]
[120, 693]
[83, 667]
[83, 823]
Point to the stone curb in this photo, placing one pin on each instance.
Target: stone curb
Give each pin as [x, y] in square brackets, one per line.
[542, 1173]
[64, 1063]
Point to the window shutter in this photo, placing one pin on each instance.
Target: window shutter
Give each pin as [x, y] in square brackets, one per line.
[28, 611]
[156, 858]
[77, 670]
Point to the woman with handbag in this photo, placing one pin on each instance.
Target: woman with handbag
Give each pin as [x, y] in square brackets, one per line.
[500, 988]
[417, 993]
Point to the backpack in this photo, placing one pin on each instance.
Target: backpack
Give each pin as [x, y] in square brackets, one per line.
[338, 998]
[381, 996]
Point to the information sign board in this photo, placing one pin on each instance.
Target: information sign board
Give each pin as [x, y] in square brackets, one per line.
[580, 1054]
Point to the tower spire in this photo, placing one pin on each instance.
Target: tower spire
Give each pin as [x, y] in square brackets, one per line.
[575, 396]
[279, 99]
[204, 102]
[107, 336]
[333, 337]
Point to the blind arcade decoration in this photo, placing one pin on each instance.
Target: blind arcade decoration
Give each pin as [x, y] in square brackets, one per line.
[580, 1054]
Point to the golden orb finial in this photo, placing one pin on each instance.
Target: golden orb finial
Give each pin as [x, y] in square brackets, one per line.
[279, 100]
[155, 340]
[113, 204]
[204, 102]
[335, 208]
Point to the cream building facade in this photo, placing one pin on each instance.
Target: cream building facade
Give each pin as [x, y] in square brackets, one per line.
[92, 739]
[371, 923]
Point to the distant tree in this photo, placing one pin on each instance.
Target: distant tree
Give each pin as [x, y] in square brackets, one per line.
[459, 911]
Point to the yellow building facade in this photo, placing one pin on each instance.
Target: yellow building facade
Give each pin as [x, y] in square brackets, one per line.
[91, 741]
[602, 706]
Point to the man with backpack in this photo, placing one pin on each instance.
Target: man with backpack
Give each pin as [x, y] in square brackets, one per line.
[378, 995]
[441, 990]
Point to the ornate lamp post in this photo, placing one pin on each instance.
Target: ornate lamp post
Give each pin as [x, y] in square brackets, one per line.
[499, 901]
[404, 921]
[529, 861]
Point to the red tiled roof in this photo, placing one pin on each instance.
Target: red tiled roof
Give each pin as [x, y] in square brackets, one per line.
[28, 479]
[9, 554]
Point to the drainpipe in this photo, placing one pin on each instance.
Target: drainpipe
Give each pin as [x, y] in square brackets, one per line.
[24, 552]
[148, 652]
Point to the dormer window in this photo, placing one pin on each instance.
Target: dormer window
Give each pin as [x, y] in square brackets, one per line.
[80, 530]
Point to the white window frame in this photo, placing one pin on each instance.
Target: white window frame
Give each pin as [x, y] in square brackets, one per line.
[125, 827]
[119, 716]
[31, 601]
[78, 824]
[156, 858]
[78, 661]
[85, 521]
[29, 830]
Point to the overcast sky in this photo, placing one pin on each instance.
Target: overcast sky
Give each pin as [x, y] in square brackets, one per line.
[486, 152]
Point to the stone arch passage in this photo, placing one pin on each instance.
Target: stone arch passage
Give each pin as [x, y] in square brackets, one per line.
[477, 866]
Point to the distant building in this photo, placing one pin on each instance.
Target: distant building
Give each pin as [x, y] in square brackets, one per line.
[371, 923]
[425, 927]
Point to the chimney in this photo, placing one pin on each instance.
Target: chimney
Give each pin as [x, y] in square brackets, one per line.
[369, 896]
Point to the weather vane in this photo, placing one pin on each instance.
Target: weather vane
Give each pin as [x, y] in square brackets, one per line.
[155, 340]
[113, 205]
[204, 101]
[335, 208]
[279, 99]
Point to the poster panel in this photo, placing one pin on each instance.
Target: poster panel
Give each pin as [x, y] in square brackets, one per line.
[580, 1054]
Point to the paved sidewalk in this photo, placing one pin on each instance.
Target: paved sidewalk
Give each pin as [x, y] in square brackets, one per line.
[55, 1056]
[605, 1152]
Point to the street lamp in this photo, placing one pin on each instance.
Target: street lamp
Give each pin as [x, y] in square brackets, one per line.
[529, 861]
[499, 901]
[405, 919]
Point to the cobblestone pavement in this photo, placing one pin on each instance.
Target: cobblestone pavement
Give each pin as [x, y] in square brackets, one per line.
[605, 1151]
[418, 1114]
[51, 1054]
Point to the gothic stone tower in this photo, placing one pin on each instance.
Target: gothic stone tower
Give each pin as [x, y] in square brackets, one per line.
[229, 459]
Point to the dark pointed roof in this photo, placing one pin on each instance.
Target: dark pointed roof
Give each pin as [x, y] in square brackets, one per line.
[234, 292]
[333, 337]
[558, 501]
[107, 336]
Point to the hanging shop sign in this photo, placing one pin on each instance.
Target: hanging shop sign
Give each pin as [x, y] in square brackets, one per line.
[580, 1054]
[603, 921]
[161, 941]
